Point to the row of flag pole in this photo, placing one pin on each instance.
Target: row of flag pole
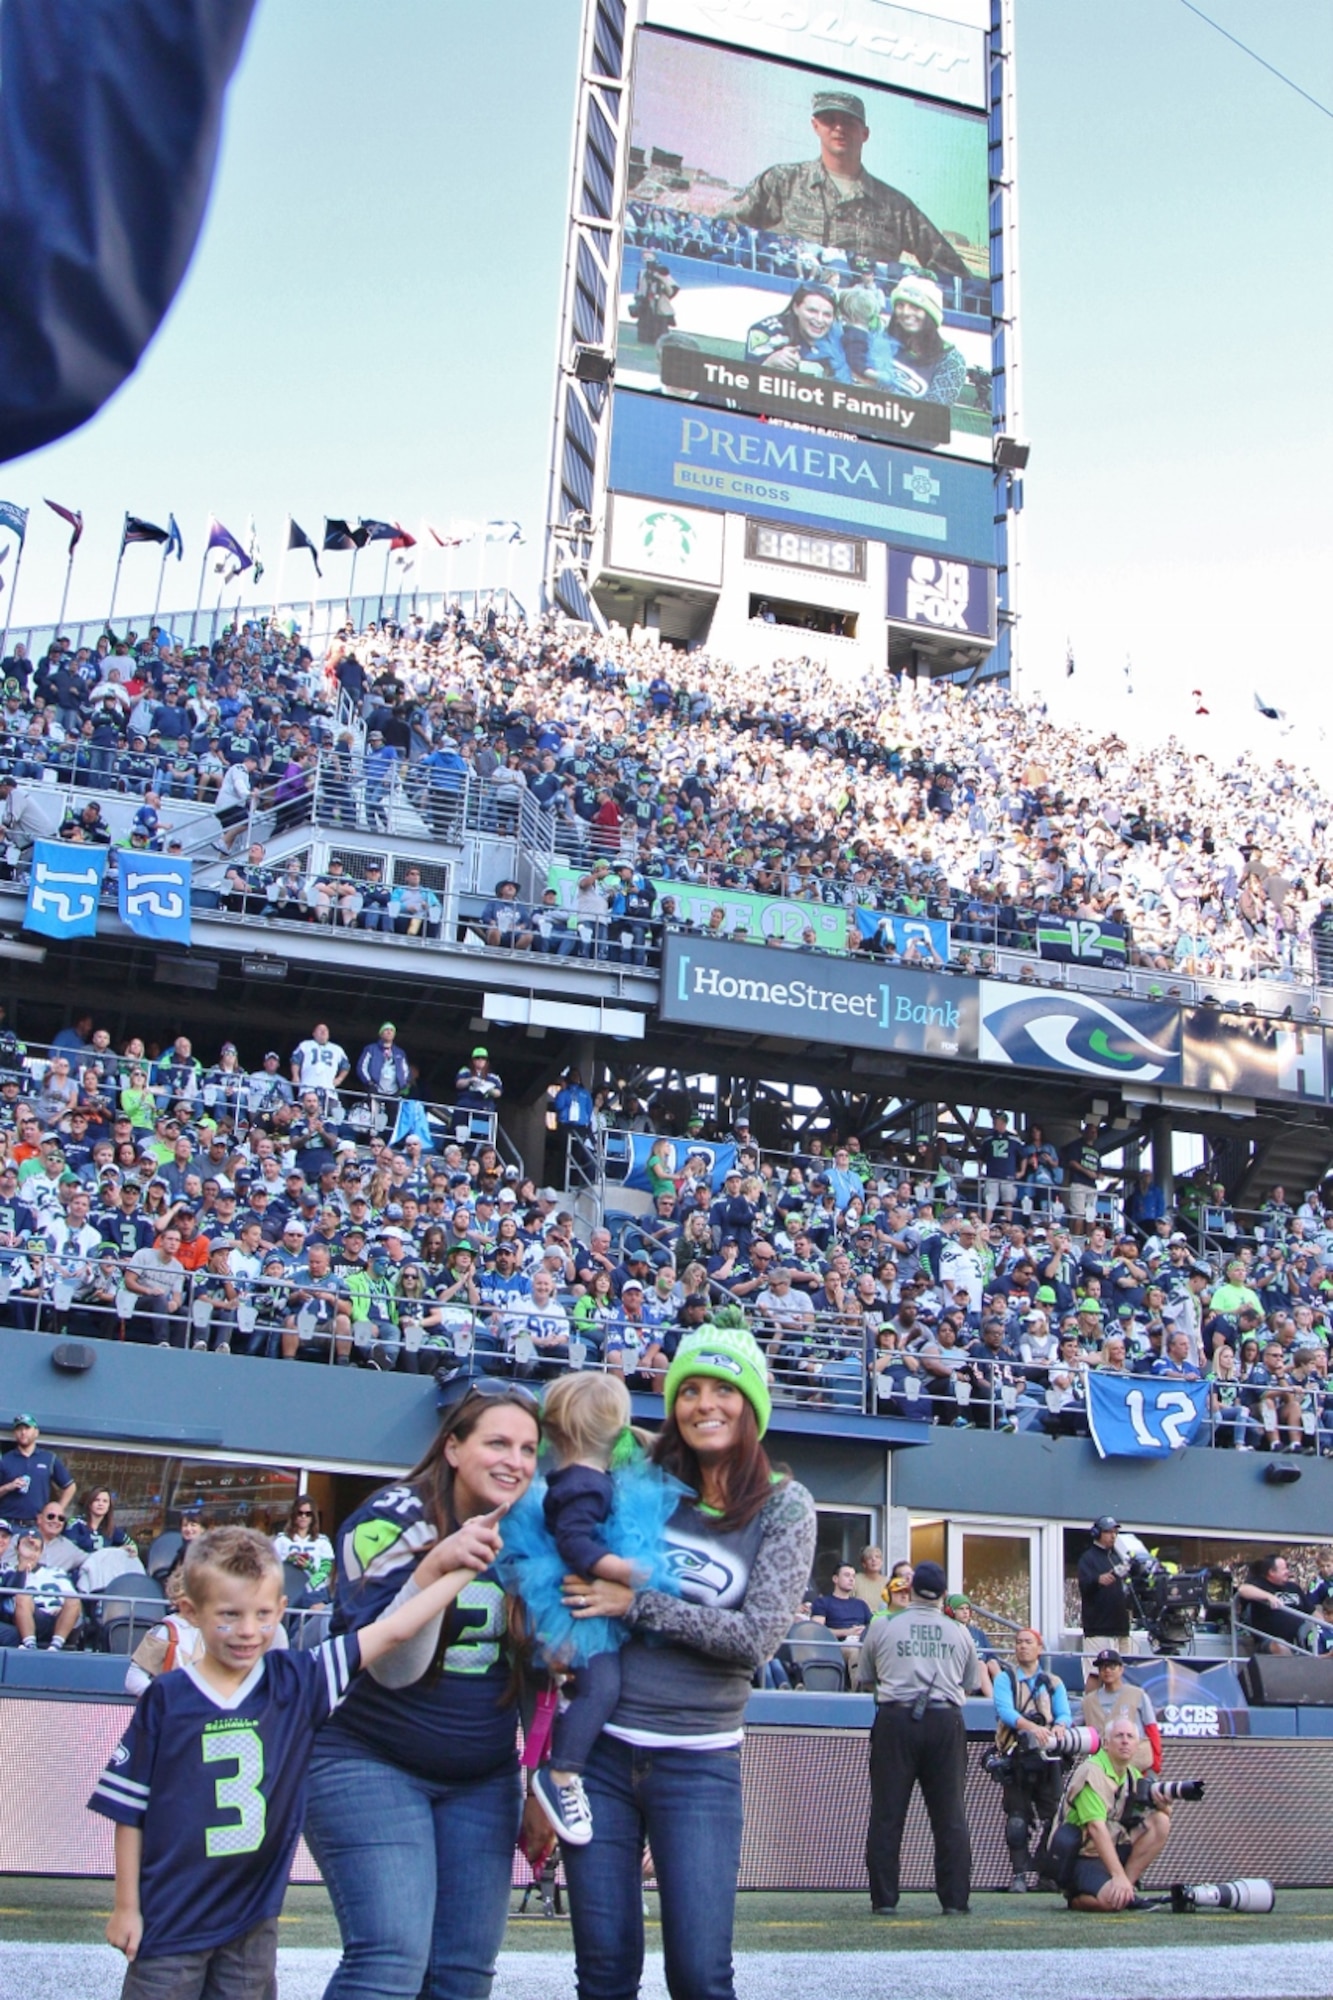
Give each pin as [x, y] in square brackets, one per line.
[234, 558]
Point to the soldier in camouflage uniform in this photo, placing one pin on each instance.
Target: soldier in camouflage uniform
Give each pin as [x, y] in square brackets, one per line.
[834, 202]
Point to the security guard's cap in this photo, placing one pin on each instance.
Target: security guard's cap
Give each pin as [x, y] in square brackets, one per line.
[929, 1580]
[825, 101]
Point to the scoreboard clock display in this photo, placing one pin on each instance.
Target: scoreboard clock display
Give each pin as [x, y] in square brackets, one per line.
[799, 548]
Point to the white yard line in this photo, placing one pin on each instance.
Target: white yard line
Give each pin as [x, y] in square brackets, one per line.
[1249, 1972]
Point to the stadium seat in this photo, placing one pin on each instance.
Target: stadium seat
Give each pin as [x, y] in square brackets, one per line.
[128, 1611]
[813, 1659]
[163, 1552]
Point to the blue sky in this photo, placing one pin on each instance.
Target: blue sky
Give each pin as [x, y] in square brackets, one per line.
[369, 327]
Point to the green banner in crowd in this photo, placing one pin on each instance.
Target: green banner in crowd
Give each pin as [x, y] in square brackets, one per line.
[762, 916]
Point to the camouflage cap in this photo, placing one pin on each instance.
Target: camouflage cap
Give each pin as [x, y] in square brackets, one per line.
[825, 101]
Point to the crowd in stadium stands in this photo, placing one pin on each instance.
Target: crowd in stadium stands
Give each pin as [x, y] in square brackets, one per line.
[717, 239]
[61, 1558]
[659, 768]
[306, 1206]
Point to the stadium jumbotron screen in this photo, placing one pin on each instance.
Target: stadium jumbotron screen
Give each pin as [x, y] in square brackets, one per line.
[803, 247]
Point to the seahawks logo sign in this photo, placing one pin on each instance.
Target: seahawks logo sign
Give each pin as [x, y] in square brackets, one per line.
[1130, 1042]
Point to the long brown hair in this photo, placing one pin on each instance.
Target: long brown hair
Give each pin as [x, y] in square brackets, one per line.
[747, 1478]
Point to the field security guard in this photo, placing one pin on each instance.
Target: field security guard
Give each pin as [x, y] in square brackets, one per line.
[921, 1665]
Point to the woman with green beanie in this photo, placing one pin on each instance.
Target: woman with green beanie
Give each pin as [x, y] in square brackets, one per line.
[666, 1769]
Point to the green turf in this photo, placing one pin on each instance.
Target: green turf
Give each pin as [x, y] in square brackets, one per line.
[50, 1910]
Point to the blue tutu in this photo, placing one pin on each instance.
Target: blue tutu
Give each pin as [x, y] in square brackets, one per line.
[531, 1566]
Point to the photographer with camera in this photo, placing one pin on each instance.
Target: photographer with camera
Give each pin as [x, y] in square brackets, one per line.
[1031, 1713]
[1114, 1825]
[1102, 1571]
[921, 1664]
[1108, 1695]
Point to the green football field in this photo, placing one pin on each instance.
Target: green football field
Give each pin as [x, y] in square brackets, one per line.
[62, 1910]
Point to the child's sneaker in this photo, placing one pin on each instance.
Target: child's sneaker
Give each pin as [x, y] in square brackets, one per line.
[566, 1806]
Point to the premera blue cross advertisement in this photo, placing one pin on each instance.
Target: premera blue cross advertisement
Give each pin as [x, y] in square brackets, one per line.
[665, 450]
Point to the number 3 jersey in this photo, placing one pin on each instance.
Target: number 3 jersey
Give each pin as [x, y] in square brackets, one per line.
[218, 1788]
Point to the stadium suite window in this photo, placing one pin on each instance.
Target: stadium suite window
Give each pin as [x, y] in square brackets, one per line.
[152, 1491]
[1191, 1552]
[843, 1533]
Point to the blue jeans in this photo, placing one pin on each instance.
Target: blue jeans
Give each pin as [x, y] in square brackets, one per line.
[687, 1804]
[419, 1874]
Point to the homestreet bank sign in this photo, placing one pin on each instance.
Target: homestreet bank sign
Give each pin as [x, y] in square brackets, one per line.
[808, 997]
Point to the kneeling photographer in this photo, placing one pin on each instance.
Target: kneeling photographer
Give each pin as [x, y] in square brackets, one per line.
[1114, 1824]
[1032, 1714]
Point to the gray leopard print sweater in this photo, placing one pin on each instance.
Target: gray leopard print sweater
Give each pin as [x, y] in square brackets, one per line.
[688, 1665]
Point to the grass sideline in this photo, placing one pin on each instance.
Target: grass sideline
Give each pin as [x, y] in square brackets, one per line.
[37, 1909]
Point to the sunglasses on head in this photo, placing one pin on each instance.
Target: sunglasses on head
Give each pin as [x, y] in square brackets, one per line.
[456, 1387]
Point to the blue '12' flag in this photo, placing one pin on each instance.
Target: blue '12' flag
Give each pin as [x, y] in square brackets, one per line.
[155, 895]
[63, 889]
[1144, 1416]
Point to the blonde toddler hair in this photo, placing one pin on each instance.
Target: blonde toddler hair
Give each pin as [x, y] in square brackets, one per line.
[584, 1414]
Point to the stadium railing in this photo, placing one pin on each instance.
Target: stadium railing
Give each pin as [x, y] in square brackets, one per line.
[817, 1361]
[365, 1113]
[406, 800]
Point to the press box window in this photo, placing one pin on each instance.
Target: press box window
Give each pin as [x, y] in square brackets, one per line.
[805, 617]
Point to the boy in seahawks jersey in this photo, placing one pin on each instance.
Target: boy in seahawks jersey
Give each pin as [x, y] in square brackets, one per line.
[207, 1785]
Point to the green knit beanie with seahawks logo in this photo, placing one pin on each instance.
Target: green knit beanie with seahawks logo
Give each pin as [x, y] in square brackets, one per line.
[728, 1352]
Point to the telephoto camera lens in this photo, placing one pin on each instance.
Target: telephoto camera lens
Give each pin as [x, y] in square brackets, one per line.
[1251, 1896]
[1072, 1741]
[1179, 1788]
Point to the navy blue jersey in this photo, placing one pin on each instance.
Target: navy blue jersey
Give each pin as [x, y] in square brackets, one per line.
[576, 1509]
[218, 1788]
[456, 1722]
[37, 1474]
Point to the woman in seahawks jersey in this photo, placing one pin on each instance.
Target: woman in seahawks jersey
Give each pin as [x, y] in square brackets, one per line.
[666, 1769]
[414, 1798]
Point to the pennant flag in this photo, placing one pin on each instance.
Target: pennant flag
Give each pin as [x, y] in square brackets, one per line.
[75, 519]
[175, 543]
[3, 553]
[64, 887]
[503, 531]
[297, 538]
[443, 541]
[252, 543]
[412, 1123]
[402, 540]
[222, 538]
[136, 530]
[154, 893]
[378, 531]
[14, 517]
[1143, 1416]
[1069, 659]
[1269, 714]
[339, 536]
